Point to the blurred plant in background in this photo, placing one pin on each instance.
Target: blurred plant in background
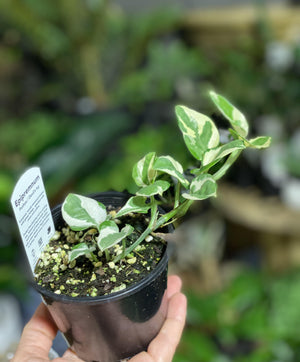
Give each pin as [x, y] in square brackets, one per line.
[253, 319]
[268, 88]
[74, 54]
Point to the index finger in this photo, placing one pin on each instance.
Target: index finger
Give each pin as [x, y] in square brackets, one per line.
[37, 336]
[162, 348]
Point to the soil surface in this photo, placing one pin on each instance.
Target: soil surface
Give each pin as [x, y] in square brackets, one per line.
[96, 276]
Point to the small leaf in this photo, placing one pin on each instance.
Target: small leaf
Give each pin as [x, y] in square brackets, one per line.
[157, 188]
[172, 167]
[260, 142]
[216, 154]
[202, 187]
[199, 132]
[234, 116]
[134, 204]
[80, 249]
[81, 212]
[143, 173]
[113, 238]
[108, 227]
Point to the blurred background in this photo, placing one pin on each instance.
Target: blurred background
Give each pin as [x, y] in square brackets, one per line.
[89, 86]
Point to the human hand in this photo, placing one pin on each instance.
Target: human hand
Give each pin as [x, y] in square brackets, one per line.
[37, 338]
[163, 346]
[38, 334]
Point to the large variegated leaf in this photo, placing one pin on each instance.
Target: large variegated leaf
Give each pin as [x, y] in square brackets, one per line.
[199, 132]
[113, 238]
[202, 187]
[80, 249]
[143, 172]
[234, 116]
[216, 154]
[81, 212]
[157, 188]
[134, 204]
[260, 142]
[172, 167]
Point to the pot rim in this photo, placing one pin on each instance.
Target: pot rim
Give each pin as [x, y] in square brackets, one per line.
[162, 264]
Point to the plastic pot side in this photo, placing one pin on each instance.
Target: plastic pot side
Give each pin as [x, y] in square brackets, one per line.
[111, 327]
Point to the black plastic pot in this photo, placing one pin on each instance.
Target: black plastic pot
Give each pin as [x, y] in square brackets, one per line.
[112, 327]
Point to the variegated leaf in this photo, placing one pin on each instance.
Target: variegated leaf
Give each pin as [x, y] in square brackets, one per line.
[216, 154]
[143, 173]
[172, 167]
[202, 187]
[81, 212]
[234, 116]
[106, 228]
[79, 250]
[157, 188]
[260, 142]
[199, 132]
[134, 204]
[113, 238]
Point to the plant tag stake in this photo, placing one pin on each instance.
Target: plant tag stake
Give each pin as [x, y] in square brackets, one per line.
[33, 214]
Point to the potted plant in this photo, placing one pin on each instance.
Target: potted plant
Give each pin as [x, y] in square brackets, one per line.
[103, 274]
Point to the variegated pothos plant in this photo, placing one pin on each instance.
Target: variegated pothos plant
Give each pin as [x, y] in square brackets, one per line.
[202, 139]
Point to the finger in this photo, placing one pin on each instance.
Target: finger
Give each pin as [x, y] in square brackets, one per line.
[163, 347]
[37, 336]
[174, 285]
[69, 355]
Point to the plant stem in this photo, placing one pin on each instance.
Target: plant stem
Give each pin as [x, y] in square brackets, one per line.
[156, 224]
[175, 213]
[107, 255]
[177, 195]
[92, 257]
[153, 213]
[231, 159]
[134, 245]
[123, 249]
[152, 226]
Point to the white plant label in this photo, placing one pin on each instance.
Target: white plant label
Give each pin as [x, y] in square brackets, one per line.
[33, 214]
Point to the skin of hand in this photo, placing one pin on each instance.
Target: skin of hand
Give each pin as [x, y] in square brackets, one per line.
[39, 332]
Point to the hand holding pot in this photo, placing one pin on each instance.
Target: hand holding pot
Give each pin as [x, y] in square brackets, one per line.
[163, 347]
[40, 331]
[36, 340]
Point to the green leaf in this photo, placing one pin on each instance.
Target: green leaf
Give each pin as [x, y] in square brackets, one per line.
[108, 227]
[234, 116]
[216, 154]
[134, 204]
[158, 187]
[199, 132]
[260, 142]
[113, 238]
[202, 187]
[172, 167]
[143, 173]
[81, 212]
[80, 249]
